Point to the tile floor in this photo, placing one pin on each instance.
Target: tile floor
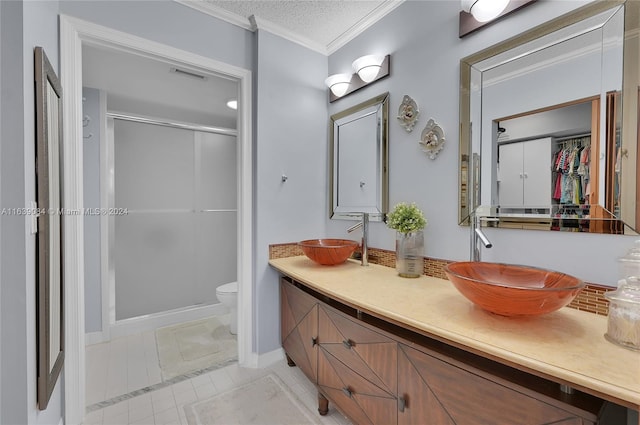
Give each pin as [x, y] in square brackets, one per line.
[121, 366]
[166, 405]
[118, 370]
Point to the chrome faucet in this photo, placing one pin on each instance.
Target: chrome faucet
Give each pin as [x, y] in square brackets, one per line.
[365, 236]
[477, 235]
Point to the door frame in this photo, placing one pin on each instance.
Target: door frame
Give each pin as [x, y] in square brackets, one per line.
[73, 33]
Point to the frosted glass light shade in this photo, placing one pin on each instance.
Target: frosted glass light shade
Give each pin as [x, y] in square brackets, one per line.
[368, 67]
[338, 83]
[484, 10]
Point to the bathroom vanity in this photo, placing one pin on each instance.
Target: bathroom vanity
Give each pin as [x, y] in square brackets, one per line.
[389, 350]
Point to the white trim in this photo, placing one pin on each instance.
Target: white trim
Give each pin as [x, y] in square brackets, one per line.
[217, 12]
[265, 25]
[270, 358]
[74, 370]
[91, 338]
[166, 318]
[254, 22]
[374, 16]
[73, 32]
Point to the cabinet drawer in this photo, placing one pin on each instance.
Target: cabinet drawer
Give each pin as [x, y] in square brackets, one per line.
[358, 398]
[446, 394]
[365, 351]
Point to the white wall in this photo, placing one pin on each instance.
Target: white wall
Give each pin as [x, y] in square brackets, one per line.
[425, 52]
[291, 139]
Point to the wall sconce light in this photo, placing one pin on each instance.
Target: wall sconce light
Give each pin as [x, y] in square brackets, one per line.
[476, 14]
[367, 69]
[484, 10]
[338, 83]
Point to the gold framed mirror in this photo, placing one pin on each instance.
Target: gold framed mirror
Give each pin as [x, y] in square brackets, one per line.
[575, 58]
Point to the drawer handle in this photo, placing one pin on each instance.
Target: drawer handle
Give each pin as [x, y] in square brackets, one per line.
[402, 403]
[314, 341]
[348, 344]
[347, 392]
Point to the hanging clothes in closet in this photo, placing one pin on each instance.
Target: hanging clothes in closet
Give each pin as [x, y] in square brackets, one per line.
[571, 171]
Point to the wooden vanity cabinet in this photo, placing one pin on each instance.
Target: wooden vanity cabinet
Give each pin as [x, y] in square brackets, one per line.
[376, 372]
[357, 368]
[299, 329]
[445, 393]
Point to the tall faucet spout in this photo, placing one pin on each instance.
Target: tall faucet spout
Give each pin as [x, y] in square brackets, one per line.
[365, 236]
[477, 235]
[483, 238]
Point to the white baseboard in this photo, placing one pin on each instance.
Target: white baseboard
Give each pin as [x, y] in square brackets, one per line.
[267, 359]
[154, 321]
[91, 338]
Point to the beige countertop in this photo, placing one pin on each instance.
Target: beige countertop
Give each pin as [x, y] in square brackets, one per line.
[567, 345]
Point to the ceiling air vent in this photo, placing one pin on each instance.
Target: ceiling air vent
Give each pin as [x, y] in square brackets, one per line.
[186, 73]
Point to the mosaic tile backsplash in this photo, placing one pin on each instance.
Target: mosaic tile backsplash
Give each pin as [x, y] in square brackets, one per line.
[590, 299]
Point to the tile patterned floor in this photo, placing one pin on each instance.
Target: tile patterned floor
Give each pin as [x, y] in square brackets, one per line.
[166, 405]
[124, 385]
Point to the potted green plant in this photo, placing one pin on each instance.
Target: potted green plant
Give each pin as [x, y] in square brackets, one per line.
[408, 221]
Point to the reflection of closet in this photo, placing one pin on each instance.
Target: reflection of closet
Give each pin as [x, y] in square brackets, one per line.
[571, 167]
[524, 176]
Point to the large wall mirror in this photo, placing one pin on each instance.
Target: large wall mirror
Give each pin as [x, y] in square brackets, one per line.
[358, 159]
[548, 136]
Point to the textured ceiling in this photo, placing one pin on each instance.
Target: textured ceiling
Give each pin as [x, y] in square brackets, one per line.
[323, 23]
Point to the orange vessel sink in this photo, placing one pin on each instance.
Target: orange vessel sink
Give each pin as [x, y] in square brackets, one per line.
[328, 252]
[511, 290]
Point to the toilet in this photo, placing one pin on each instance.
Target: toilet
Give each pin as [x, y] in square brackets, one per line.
[228, 295]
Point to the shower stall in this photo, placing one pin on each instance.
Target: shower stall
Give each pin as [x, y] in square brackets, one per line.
[172, 218]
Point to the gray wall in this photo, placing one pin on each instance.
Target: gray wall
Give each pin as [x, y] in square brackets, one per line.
[290, 138]
[91, 192]
[169, 23]
[24, 26]
[425, 53]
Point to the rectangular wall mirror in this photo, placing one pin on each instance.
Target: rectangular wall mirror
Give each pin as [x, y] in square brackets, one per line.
[358, 160]
[49, 273]
[561, 154]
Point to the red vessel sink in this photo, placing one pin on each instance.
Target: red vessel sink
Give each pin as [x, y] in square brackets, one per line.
[512, 290]
[328, 252]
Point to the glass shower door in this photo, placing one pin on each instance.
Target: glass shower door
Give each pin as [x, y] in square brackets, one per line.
[173, 247]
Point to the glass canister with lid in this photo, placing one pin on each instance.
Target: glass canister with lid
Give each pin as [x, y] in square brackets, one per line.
[629, 265]
[623, 325]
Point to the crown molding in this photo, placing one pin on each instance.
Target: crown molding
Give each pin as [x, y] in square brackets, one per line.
[217, 12]
[373, 17]
[258, 23]
[254, 23]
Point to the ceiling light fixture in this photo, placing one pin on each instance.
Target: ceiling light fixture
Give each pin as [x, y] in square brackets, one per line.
[484, 10]
[368, 67]
[232, 104]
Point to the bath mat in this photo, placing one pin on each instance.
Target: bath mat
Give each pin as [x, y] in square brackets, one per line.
[265, 401]
[197, 345]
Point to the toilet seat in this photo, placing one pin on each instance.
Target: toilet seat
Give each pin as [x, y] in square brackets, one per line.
[227, 288]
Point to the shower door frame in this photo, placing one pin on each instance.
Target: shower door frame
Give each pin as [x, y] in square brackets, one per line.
[73, 33]
[112, 327]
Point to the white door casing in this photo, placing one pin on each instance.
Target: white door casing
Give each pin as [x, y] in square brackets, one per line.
[73, 33]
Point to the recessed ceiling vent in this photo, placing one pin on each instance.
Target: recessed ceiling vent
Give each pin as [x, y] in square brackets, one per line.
[186, 73]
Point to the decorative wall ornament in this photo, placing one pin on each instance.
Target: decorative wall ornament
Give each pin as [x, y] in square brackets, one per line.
[408, 113]
[432, 139]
